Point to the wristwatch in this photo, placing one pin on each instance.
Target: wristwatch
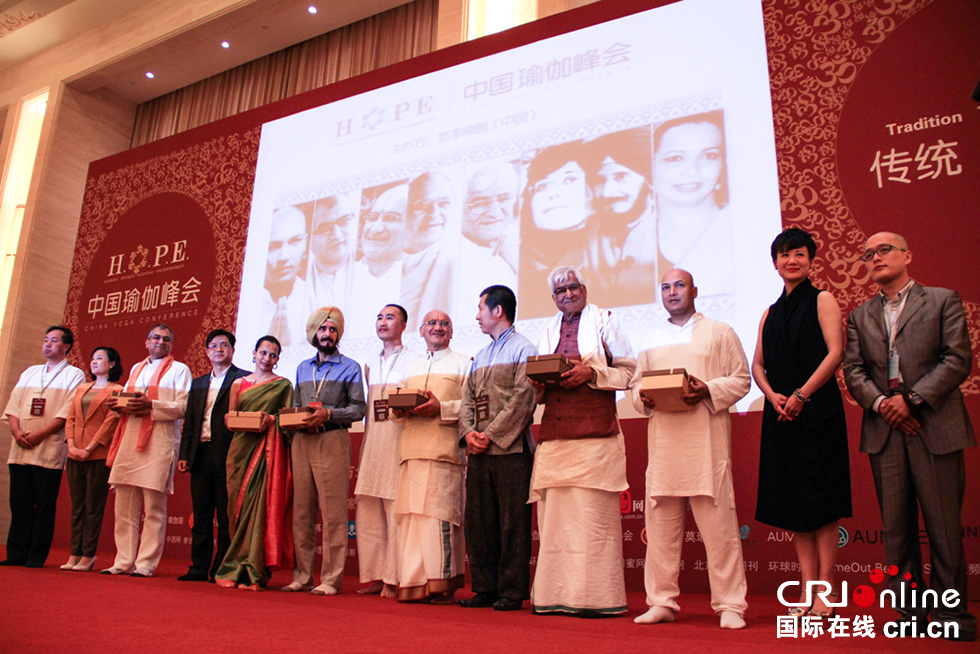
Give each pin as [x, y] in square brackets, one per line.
[914, 400]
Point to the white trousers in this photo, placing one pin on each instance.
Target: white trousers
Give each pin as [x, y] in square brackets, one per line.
[135, 550]
[377, 540]
[718, 524]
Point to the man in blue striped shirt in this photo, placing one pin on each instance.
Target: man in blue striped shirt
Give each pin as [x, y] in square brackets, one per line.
[495, 427]
[330, 383]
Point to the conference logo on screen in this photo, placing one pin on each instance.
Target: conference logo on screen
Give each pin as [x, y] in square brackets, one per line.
[799, 598]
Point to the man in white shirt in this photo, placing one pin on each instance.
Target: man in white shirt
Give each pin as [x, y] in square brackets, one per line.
[690, 455]
[377, 476]
[144, 452]
[36, 414]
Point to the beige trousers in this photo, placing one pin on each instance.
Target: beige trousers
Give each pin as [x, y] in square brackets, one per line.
[377, 540]
[321, 481]
[718, 524]
[136, 551]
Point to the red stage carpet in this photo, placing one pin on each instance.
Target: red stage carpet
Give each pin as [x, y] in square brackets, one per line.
[49, 610]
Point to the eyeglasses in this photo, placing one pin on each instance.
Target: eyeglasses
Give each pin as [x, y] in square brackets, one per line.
[881, 251]
[223, 346]
[441, 323]
[158, 337]
[571, 288]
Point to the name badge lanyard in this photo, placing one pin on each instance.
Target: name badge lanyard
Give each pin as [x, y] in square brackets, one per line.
[37, 404]
[316, 396]
[491, 357]
[891, 326]
[385, 375]
[381, 405]
[44, 371]
[428, 369]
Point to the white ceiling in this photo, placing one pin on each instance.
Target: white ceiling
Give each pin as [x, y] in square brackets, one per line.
[253, 29]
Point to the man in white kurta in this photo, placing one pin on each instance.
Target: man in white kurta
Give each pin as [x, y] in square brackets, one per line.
[429, 507]
[143, 456]
[580, 464]
[690, 455]
[377, 472]
[36, 413]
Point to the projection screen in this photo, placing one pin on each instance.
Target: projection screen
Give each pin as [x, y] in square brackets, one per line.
[623, 149]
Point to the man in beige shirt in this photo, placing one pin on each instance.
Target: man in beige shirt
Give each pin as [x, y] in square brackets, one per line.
[690, 455]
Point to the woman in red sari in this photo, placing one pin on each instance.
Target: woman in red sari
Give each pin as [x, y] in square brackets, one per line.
[260, 480]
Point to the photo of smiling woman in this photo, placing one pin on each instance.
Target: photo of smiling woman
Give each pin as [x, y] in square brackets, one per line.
[690, 181]
[555, 210]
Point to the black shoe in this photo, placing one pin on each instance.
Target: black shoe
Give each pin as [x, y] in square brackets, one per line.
[193, 575]
[508, 604]
[34, 564]
[8, 562]
[478, 601]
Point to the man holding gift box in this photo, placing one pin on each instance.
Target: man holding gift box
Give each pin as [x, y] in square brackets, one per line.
[580, 462]
[204, 442]
[690, 455]
[495, 427]
[429, 507]
[377, 471]
[143, 453]
[330, 384]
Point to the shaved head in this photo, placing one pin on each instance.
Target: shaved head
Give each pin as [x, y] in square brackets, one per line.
[889, 268]
[890, 238]
[678, 292]
[678, 273]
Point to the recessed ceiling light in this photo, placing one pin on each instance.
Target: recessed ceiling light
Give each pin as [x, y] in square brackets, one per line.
[311, 9]
[225, 44]
[149, 75]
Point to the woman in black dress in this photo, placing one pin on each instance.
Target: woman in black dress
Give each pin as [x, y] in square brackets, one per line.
[804, 474]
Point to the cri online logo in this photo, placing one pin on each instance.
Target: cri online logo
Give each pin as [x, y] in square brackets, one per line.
[864, 596]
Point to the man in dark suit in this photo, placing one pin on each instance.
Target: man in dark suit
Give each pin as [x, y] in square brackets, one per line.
[204, 445]
[908, 350]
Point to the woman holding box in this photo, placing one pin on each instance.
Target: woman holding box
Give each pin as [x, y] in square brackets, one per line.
[259, 478]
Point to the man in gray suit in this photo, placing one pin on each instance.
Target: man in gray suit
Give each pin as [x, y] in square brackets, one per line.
[908, 350]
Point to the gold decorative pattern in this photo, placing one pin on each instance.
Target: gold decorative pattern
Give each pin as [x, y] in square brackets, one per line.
[217, 174]
[816, 50]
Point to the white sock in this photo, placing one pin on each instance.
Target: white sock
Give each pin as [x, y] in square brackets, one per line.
[732, 620]
[654, 615]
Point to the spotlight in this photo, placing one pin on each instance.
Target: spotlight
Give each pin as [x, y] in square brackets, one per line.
[225, 45]
[311, 9]
[149, 75]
